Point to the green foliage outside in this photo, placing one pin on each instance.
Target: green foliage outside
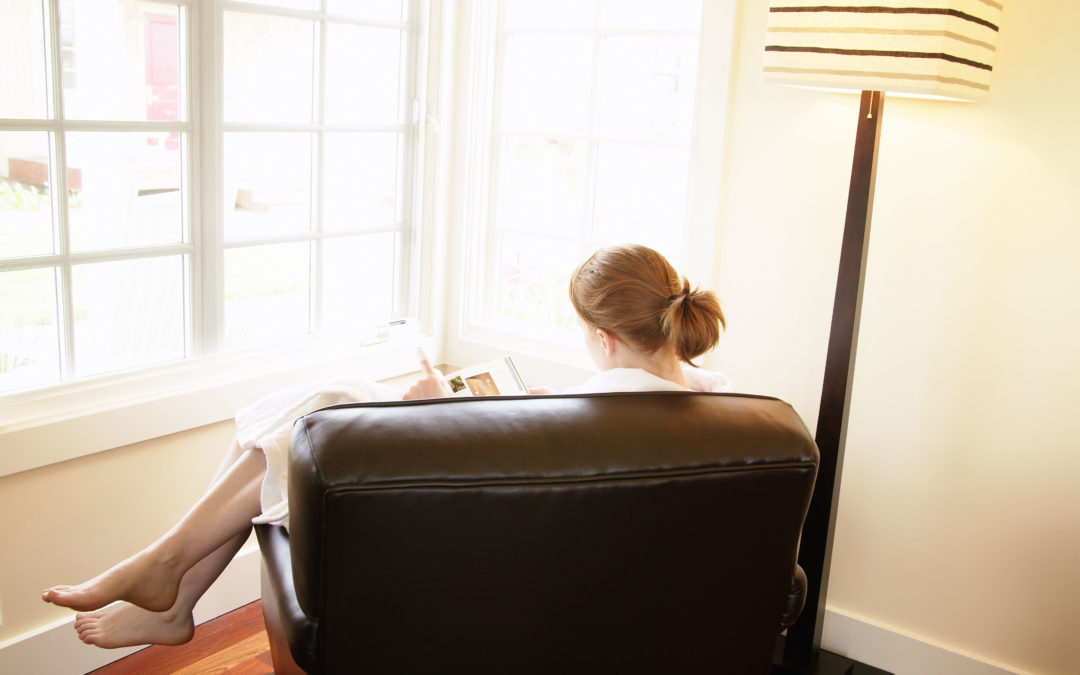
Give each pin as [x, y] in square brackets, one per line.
[16, 196]
[28, 316]
[535, 296]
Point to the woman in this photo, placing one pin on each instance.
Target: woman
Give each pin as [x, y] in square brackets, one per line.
[642, 323]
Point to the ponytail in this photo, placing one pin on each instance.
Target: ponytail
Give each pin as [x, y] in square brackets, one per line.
[691, 322]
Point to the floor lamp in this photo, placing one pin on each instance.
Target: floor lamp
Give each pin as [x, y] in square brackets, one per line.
[926, 48]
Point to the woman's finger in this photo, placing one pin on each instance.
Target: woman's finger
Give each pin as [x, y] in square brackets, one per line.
[425, 364]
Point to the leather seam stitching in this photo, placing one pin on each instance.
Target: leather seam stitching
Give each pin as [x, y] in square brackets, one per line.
[543, 481]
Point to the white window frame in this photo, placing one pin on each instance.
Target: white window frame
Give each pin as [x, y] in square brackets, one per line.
[62, 258]
[470, 340]
[76, 418]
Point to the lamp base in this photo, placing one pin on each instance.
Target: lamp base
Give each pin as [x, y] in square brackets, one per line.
[823, 663]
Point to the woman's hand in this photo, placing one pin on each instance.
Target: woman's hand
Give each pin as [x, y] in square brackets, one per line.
[430, 385]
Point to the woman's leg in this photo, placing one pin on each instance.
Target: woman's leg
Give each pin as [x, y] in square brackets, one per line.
[151, 579]
[231, 455]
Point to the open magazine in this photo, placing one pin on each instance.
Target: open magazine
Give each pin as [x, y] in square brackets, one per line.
[492, 378]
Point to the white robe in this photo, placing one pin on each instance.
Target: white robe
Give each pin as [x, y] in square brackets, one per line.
[635, 379]
[267, 424]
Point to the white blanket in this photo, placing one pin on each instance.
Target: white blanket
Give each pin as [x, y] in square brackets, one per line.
[267, 424]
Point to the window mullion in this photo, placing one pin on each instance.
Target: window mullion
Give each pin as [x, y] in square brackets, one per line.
[58, 181]
[487, 297]
[208, 232]
[591, 141]
[312, 127]
[189, 158]
[318, 199]
[408, 165]
[432, 292]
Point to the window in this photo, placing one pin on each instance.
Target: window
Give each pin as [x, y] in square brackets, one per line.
[191, 190]
[180, 179]
[586, 137]
[315, 146]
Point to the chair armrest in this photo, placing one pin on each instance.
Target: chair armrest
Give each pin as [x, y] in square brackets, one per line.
[301, 631]
[796, 599]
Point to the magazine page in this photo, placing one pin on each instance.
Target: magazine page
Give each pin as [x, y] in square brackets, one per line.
[493, 378]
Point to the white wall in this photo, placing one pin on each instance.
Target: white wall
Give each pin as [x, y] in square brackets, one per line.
[959, 518]
[66, 522]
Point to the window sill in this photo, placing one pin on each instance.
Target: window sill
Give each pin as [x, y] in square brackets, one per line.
[83, 418]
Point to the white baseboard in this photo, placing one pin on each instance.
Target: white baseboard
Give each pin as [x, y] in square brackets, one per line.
[54, 648]
[899, 653]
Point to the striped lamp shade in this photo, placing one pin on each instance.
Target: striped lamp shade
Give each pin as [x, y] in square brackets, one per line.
[933, 48]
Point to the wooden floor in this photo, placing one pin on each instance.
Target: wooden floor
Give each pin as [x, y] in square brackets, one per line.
[232, 644]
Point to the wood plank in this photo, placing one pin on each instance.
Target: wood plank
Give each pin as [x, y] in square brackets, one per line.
[217, 635]
[256, 667]
[238, 655]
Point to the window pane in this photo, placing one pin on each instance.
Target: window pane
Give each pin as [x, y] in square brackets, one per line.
[640, 195]
[546, 83]
[267, 184]
[29, 346]
[124, 190]
[550, 14]
[361, 178]
[533, 277]
[266, 293]
[650, 14]
[120, 60]
[363, 75]
[358, 276]
[22, 60]
[128, 313]
[269, 62]
[374, 10]
[543, 185]
[646, 87]
[25, 204]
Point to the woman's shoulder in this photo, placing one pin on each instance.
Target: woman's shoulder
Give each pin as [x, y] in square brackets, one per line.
[624, 379]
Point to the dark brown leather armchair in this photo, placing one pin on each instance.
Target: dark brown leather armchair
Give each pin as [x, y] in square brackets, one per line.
[612, 533]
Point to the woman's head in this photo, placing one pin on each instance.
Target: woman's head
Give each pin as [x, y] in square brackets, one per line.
[635, 294]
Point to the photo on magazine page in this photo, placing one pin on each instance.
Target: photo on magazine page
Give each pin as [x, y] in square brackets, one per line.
[493, 378]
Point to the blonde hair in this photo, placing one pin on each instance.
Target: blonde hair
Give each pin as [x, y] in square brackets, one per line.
[633, 292]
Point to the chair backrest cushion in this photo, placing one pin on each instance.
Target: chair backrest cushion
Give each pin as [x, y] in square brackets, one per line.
[639, 532]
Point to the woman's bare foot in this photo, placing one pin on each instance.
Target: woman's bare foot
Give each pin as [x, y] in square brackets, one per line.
[146, 580]
[126, 625]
